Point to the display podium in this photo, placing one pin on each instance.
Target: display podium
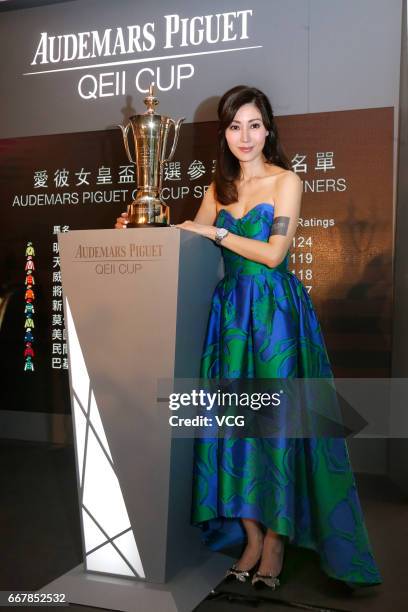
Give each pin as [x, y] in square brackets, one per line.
[136, 304]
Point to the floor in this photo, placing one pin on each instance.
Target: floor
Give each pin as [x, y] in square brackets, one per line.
[40, 540]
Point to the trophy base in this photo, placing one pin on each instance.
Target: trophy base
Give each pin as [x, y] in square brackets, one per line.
[148, 211]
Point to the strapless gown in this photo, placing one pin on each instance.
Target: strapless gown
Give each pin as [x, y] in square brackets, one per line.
[262, 324]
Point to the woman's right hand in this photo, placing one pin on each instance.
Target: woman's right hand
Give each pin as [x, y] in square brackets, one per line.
[122, 221]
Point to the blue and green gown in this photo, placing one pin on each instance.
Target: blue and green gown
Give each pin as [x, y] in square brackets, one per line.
[263, 325]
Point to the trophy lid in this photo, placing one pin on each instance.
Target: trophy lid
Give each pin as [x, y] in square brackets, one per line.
[151, 101]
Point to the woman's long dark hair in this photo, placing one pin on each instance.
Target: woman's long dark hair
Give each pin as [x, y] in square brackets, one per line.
[228, 169]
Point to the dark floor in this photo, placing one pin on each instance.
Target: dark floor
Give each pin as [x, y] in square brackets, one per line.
[40, 540]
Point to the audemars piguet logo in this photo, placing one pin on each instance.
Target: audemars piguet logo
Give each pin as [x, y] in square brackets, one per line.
[116, 251]
[175, 37]
[121, 259]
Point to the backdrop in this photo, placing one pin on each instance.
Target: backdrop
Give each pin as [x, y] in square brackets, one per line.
[82, 67]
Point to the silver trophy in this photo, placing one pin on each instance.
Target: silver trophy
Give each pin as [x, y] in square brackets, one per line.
[150, 133]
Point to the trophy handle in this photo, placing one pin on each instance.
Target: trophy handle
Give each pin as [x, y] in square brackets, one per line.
[177, 125]
[126, 141]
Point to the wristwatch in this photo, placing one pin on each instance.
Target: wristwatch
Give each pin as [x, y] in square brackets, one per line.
[220, 234]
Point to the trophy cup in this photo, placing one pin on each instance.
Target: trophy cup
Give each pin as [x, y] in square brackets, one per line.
[150, 133]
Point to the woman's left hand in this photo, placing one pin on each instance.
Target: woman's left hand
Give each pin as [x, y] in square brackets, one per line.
[198, 228]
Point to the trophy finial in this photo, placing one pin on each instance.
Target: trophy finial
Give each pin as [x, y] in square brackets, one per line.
[151, 101]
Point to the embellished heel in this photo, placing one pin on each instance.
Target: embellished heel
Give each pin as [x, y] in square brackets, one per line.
[259, 581]
[240, 575]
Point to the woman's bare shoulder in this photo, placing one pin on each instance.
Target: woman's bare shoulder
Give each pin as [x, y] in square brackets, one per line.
[287, 179]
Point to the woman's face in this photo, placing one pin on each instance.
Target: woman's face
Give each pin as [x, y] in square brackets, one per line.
[246, 133]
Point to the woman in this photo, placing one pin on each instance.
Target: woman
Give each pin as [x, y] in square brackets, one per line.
[262, 325]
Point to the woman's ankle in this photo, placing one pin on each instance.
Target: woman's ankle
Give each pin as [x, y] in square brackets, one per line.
[272, 555]
[251, 555]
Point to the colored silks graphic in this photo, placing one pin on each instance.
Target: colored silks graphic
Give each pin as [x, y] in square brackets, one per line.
[29, 308]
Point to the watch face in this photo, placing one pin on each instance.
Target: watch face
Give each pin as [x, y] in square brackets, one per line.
[220, 234]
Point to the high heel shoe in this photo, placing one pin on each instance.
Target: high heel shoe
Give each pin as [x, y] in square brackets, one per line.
[244, 575]
[261, 580]
[241, 575]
